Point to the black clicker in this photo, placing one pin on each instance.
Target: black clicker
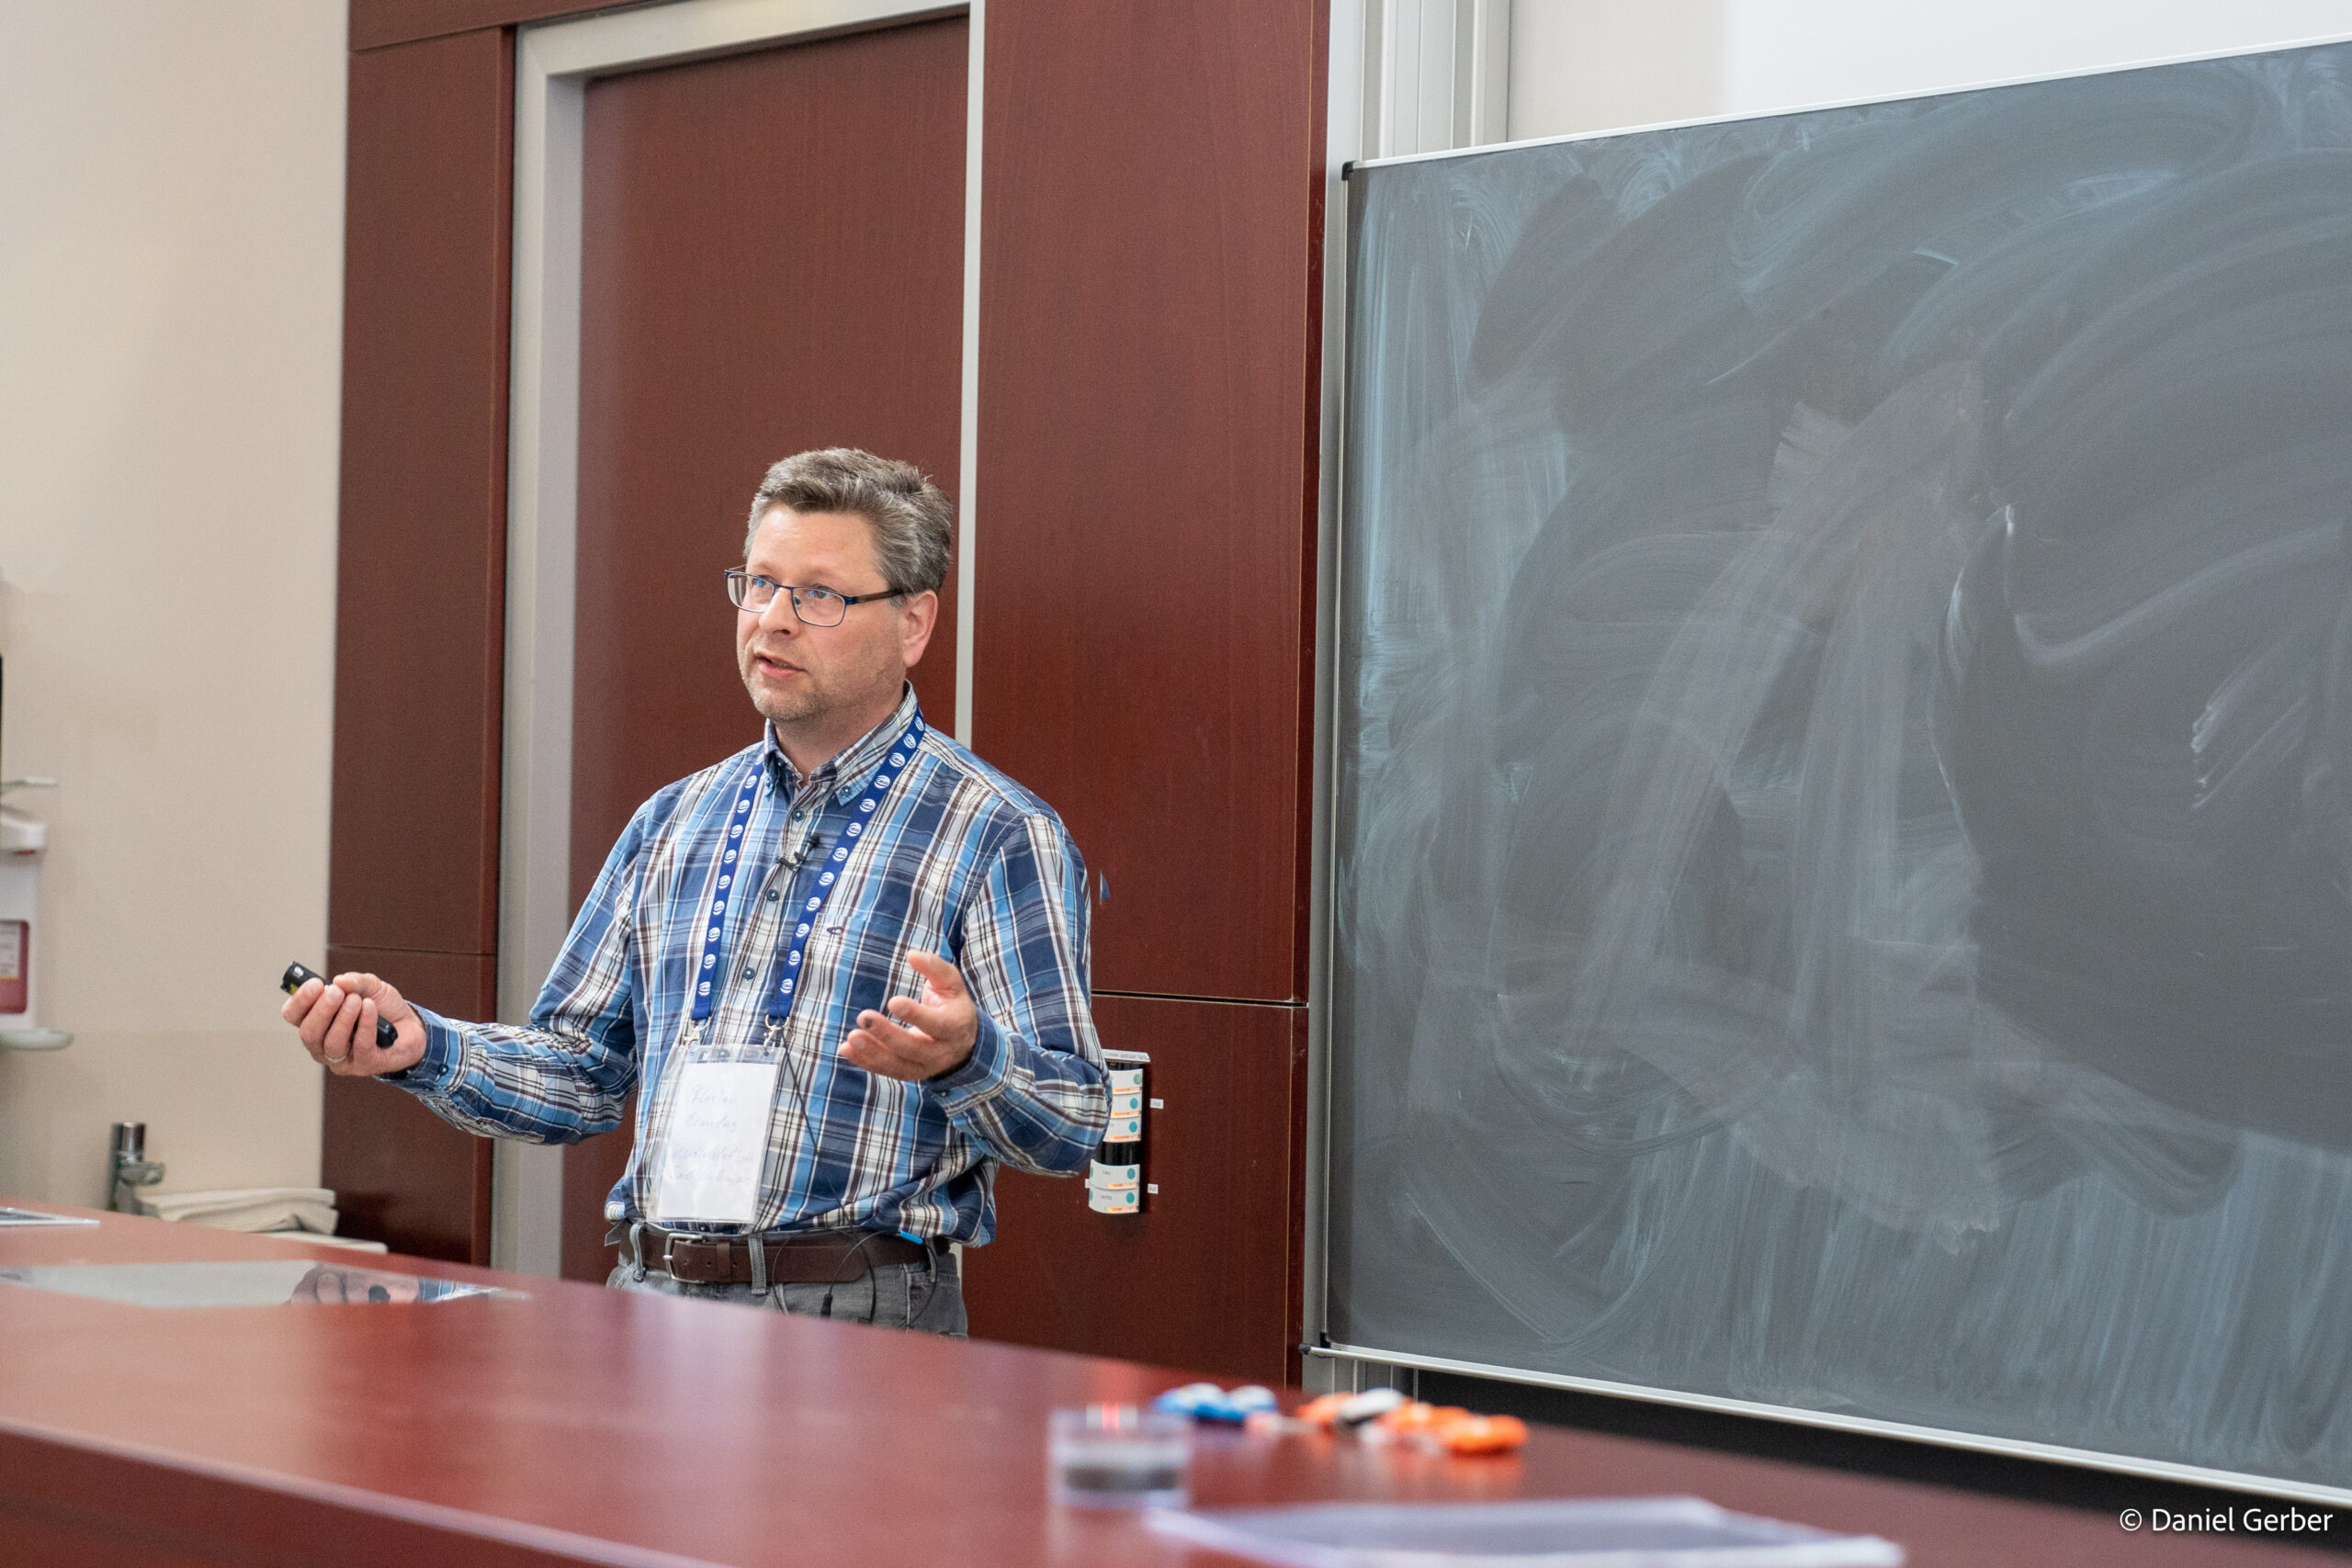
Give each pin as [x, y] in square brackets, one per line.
[292, 980]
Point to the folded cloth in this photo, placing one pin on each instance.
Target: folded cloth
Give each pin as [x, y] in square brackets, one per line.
[248, 1208]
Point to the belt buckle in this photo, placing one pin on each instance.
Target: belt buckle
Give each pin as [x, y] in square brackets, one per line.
[670, 1259]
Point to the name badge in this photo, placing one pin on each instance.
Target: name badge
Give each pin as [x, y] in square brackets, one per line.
[717, 1142]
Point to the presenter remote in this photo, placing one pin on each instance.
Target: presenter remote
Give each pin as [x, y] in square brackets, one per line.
[292, 981]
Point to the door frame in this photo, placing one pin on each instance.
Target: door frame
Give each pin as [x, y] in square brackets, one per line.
[554, 63]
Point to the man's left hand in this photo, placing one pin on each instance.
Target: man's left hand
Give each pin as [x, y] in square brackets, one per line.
[911, 1039]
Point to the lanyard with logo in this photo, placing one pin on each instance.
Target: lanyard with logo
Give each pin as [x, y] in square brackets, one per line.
[716, 1136]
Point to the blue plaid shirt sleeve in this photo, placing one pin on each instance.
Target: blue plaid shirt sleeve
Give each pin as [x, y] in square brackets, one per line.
[565, 1075]
[1033, 1093]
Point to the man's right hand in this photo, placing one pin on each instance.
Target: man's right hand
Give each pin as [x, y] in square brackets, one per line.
[338, 1021]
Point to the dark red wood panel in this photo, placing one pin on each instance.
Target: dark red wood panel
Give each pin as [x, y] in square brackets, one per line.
[1150, 352]
[1203, 1277]
[772, 261]
[419, 613]
[66, 1508]
[419, 623]
[376, 23]
[401, 1175]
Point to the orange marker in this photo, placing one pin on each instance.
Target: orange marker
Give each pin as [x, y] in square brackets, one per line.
[1481, 1435]
[1409, 1420]
[1323, 1412]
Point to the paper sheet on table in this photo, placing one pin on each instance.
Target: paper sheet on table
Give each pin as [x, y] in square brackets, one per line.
[1578, 1532]
[716, 1143]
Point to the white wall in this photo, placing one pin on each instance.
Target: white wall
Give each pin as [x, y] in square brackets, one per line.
[171, 238]
[1588, 64]
[1591, 64]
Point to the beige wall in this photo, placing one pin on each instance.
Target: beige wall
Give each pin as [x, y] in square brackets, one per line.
[1591, 64]
[171, 233]
[1580, 65]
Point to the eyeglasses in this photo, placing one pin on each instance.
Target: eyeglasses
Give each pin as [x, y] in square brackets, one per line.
[815, 607]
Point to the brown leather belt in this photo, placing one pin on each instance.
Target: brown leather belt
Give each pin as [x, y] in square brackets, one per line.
[825, 1257]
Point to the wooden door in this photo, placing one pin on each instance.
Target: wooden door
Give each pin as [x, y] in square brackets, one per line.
[1149, 399]
[771, 260]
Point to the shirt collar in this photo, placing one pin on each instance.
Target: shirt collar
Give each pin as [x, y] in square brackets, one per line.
[856, 764]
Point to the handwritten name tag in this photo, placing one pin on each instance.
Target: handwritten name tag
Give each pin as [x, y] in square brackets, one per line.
[717, 1142]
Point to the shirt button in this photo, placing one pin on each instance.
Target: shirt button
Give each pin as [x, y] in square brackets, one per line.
[747, 974]
[772, 897]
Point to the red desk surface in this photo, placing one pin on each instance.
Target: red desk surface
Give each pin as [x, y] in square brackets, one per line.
[586, 1425]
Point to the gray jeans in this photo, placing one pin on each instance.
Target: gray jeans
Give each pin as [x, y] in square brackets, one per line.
[927, 1297]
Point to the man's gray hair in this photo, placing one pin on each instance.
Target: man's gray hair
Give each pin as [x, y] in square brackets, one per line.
[911, 517]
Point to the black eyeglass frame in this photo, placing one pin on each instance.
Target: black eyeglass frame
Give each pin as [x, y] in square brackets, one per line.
[739, 582]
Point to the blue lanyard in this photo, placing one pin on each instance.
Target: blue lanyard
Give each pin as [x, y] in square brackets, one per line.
[723, 874]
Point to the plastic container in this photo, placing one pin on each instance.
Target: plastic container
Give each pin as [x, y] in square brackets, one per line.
[1116, 1456]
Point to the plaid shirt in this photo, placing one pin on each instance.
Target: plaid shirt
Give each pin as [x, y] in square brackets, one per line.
[961, 862]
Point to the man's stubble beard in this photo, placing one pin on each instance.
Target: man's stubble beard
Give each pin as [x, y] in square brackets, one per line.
[812, 701]
[818, 696]
[782, 707]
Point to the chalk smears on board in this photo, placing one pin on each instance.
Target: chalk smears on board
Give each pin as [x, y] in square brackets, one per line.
[1845, 691]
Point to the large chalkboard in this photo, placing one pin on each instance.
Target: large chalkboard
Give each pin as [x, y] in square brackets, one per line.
[1844, 764]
